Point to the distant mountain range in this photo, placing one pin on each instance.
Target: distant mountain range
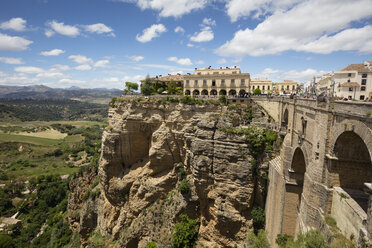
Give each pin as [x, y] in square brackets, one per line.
[44, 92]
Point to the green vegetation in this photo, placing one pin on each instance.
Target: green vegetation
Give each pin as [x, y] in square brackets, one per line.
[185, 233]
[257, 91]
[151, 244]
[147, 87]
[310, 239]
[258, 240]
[283, 239]
[259, 138]
[43, 209]
[50, 110]
[184, 187]
[258, 217]
[130, 87]
[190, 100]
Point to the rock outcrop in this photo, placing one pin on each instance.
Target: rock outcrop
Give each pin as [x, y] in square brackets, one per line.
[145, 150]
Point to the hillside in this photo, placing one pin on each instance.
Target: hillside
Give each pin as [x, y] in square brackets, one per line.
[44, 92]
[12, 109]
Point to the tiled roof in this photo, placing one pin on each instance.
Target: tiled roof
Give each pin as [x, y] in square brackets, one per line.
[350, 84]
[357, 67]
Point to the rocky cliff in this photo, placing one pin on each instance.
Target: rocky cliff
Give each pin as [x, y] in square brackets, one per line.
[152, 147]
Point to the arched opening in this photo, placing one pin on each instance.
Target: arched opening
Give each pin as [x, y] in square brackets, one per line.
[352, 166]
[213, 93]
[293, 192]
[349, 167]
[195, 93]
[232, 93]
[242, 93]
[187, 92]
[285, 120]
[204, 92]
[222, 92]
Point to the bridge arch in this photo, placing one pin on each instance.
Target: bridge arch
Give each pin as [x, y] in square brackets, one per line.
[293, 192]
[350, 164]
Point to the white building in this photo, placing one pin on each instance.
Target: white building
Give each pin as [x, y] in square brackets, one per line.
[354, 81]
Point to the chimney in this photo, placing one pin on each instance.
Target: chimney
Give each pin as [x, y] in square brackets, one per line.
[196, 68]
[220, 67]
[234, 66]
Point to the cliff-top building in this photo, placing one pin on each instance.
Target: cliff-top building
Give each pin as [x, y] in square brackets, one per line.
[265, 85]
[216, 82]
[287, 87]
[354, 81]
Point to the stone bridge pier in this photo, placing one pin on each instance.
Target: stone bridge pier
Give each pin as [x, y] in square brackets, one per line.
[324, 168]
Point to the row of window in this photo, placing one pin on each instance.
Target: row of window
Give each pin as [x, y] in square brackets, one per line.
[363, 88]
[232, 82]
[364, 75]
[287, 88]
[263, 87]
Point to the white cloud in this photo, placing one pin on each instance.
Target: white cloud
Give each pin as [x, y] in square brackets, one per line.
[208, 22]
[70, 82]
[293, 28]
[221, 61]
[152, 32]
[206, 34]
[296, 75]
[99, 28]
[242, 8]
[61, 28]
[49, 33]
[179, 29]
[199, 62]
[181, 61]
[28, 69]
[16, 24]
[83, 68]
[190, 45]
[81, 59]
[58, 67]
[54, 52]
[102, 63]
[11, 61]
[167, 8]
[136, 58]
[13, 43]
[49, 74]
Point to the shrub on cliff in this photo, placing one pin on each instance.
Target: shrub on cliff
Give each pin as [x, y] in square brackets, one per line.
[258, 240]
[151, 244]
[185, 233]
[184, 187]
[258, 217]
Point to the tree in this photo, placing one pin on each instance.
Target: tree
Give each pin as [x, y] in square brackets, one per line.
[146, 87]
[172, 87]
[6, 241]
[185, 232]
[258, 216]
[257, 241]
[257, 91]
[130, 87]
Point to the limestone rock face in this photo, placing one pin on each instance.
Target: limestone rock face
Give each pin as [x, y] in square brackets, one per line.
[144, 149]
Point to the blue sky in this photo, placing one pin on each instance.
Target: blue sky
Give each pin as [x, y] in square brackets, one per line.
[103, 43]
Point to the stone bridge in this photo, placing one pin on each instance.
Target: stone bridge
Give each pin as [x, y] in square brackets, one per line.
[324, 167]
